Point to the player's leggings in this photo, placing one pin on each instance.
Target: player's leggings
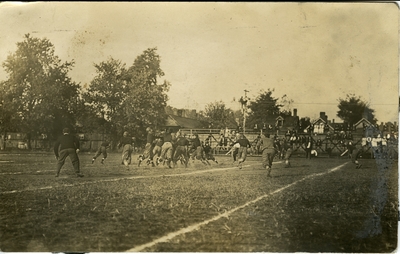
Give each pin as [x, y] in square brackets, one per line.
[101, 150]
[166, 151]
[148, 151]
[126, 154]
[198, 153]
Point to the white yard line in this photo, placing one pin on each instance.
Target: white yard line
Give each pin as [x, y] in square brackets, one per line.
[225, 214]
[20, 172]
[124, 178]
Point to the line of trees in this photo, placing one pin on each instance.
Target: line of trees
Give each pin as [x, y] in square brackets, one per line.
[265, 106]
[38, 97]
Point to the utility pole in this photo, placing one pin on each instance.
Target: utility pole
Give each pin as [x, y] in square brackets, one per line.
[243, 101]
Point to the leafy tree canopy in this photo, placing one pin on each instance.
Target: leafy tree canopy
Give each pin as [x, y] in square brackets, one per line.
[147, 98]
[219, 115]
[263, 108]
[38, 90]
[353, 108]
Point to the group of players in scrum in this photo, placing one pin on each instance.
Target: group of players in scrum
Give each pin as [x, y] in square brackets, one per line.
[170, 148]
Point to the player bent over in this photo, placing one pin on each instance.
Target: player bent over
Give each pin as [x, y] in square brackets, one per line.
[148, 149]
[209, 153]
[356, 155]
[197, 150]
[166, 149]
[181, 150]
[102, 150]
[67, 146]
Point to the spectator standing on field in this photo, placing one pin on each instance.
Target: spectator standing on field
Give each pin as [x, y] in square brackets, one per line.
[126, 143]
[67, 145]
[268, 152]
[102, 150]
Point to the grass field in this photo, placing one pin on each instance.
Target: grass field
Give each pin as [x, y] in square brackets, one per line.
[318, 205]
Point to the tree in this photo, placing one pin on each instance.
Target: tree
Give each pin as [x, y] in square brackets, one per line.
[146, 98]
[353, 108]
[218, 115]
[286, 108]
[38, 90]
[263, 109]
[105, 97]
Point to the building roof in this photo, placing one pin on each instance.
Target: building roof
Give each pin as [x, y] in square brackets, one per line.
[289, 122]
[363, 120]
[184, 122]
[322, 120]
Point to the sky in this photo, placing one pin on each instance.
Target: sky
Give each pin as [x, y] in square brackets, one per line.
[314, 53]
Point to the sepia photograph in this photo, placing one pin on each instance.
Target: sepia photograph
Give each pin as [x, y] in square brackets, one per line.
[199, 127]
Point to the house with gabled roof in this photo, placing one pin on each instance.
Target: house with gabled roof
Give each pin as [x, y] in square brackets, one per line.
[321, 125]
[287, 123]
[281, 124]
[362, 124]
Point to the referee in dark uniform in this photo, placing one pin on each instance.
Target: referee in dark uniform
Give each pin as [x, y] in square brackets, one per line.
[67, 145]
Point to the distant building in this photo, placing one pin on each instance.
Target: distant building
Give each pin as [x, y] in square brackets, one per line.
[176, 123]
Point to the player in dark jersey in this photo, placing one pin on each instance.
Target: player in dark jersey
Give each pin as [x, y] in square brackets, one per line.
[208, 152]
[126, 143]
[181, 150]
[242, 152]
[102, 150]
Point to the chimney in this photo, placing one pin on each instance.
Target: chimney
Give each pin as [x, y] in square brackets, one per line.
[179, 112]
[295, 112]
[333, 120]
[323, 116]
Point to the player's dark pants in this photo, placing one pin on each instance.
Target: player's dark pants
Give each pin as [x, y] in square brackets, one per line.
[355, 155]
[308, 153]
[181, 151]
[235, 153]
[242, 154]
[101, 150]
[71, 153]
[198, 153]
